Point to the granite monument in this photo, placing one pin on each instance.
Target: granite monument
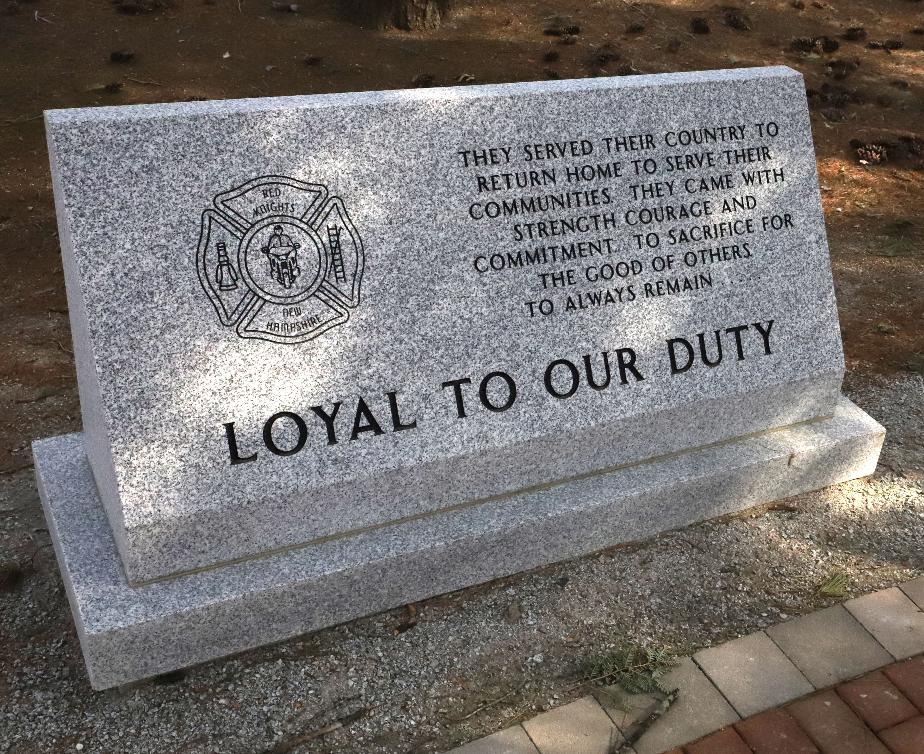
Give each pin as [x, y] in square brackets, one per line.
[338, 353]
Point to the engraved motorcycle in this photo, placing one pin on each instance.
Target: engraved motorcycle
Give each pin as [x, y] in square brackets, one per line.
[282, 253]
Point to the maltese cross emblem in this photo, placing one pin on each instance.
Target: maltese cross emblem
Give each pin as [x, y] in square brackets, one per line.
[280, 260]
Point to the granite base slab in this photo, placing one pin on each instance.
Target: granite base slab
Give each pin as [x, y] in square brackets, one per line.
[129, 633]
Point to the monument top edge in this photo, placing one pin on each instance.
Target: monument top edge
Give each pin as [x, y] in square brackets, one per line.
[68, 116]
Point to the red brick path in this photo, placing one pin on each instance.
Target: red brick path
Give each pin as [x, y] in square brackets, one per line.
[880, 713]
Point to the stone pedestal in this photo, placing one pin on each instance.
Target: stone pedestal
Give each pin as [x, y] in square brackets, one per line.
[128, 633]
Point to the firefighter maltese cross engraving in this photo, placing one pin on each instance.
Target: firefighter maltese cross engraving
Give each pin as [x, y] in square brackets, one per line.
[280, 260]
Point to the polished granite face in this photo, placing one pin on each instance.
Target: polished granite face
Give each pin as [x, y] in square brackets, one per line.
[303, 318]
[128, 633]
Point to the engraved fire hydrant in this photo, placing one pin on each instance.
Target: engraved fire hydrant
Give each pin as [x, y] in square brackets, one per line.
[282, 253]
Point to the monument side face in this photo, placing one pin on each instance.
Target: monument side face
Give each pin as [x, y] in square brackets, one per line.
[312, 316]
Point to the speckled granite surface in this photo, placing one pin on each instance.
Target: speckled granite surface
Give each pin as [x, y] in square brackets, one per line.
[230, 262]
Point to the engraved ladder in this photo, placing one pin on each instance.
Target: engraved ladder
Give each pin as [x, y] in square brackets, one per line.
[336, 253]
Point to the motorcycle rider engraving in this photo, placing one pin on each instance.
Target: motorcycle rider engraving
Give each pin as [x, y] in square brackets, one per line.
[282, 253]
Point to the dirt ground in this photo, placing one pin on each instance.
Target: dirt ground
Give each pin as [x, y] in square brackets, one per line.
[864, 68]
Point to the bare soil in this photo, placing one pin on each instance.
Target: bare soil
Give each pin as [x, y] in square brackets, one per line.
[867, 99]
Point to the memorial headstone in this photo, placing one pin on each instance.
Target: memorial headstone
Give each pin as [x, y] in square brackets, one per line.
[338, 353]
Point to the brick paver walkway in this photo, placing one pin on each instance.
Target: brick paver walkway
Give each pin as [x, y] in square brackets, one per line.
[847, 679]
[873, 714]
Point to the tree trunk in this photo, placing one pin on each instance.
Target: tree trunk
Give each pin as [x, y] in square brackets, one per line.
[410, 15]
[417, 14]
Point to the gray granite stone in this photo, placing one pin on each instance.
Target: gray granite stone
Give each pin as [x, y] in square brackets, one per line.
[128, 633]
[229, 261]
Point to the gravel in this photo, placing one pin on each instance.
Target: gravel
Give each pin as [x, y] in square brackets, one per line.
[457, 667]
